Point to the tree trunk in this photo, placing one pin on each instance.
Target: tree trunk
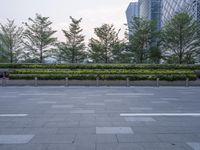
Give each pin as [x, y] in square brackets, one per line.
[41, 56]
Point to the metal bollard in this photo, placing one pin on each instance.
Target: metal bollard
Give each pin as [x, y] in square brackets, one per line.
[97, 81]
[157, 82]
[3, 82]
[66, 81]
[127, 82]
[187, 82]
[36, 81]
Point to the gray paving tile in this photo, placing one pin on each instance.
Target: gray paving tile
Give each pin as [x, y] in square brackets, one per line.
[176, 137]
[140, 119]
[163, 146]
[95, 104]
[46, 102]
[137, 138]
[62, 106]
[82, 111]
[71, 147]
[15, 139]
[128, 146]
[93, 138]
[140, 108]
[53, 139]
[194, 145]
[114, 130]
[24, 147]
[77, 130]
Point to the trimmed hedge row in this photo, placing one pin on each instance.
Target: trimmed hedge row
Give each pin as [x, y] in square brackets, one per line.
[97, 66]
[104, 77]
[105, 72]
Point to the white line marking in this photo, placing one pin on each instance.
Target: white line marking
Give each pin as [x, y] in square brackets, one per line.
[13, 115]
[161, 115]
[130, 94]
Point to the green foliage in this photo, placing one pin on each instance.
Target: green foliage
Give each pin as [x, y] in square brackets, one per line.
[142, 72]
[39, 39]
[101, 49]
[72, 50]
[100, 66]
[180, 39]
[103, 71]
[143, 35]
[10, 41]
[104, 77]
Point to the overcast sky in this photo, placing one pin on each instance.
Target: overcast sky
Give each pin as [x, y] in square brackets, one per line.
[93, 12]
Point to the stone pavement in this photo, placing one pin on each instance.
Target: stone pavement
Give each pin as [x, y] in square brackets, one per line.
[91, 118]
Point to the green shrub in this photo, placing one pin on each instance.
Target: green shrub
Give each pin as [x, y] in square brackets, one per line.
[98, 66]
[104, 77]
[100, 72]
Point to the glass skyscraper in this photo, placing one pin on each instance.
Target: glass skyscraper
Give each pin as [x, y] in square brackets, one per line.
[131, 12]
[171, 7]
[151, 9]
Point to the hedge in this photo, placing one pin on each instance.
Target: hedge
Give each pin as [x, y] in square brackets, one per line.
[104, 77]
[100, 72]
[97, 66]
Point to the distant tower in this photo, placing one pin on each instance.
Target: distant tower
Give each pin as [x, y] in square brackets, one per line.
[151, 9]
[171, 7]
[131, 12]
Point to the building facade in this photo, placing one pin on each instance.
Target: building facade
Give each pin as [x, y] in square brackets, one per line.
[131, 12]
[171, 7]
[151, 9]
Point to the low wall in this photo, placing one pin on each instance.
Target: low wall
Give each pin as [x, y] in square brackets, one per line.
[7, 82]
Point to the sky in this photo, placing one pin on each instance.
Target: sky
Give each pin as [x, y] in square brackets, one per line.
[93, 12]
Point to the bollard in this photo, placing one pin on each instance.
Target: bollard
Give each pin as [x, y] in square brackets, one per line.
[97, 81]
[2, 82]
[36, 81]
[66, 81]
[127, 82]
[157, 82]
[187, 82]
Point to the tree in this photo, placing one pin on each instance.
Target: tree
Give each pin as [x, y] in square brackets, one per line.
[101, 49]
[2, 53]
[180, 39]
[143, 36]
[39, 38]
[73, 49]
[11, 40]
[121, 53]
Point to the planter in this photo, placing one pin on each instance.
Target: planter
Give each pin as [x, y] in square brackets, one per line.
[197, 73]
[96, 83]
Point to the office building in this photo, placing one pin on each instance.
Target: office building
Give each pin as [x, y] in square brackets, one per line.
[151, 9]
[171, 7]
[131, 12]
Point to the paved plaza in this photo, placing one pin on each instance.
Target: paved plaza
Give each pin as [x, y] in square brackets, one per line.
[99, 118]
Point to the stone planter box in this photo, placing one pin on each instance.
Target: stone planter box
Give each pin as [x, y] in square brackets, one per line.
[143, 83]
[7, 82]
[197, 73]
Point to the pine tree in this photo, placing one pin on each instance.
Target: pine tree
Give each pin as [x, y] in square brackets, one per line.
[39, 38]
[11, 41]
[180, 38]
[73, 49]
[101, 49]
[142, 36]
